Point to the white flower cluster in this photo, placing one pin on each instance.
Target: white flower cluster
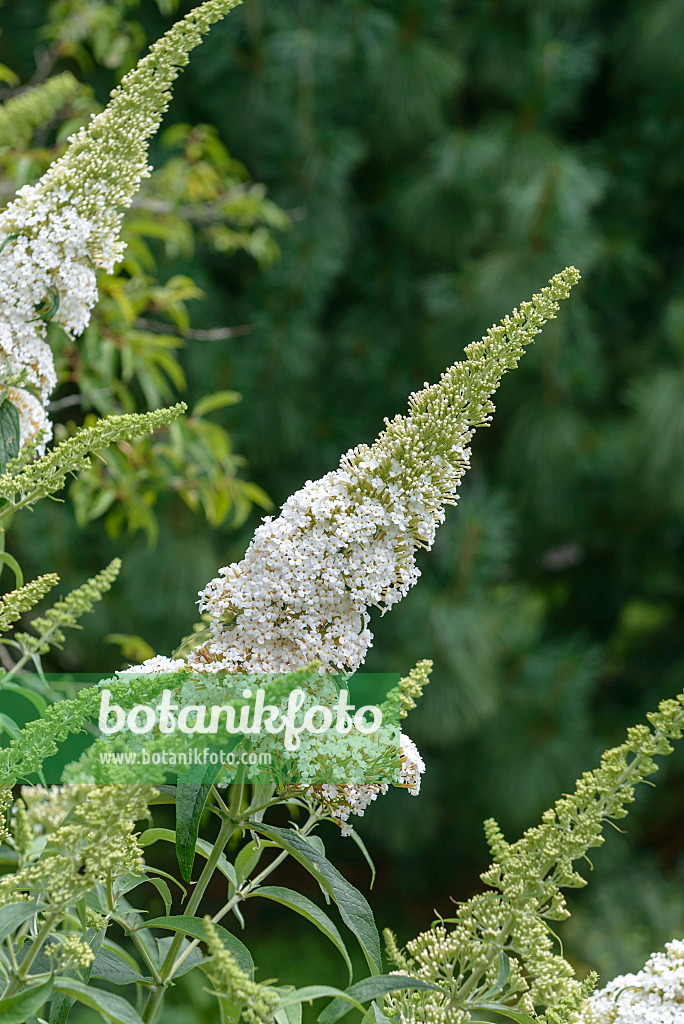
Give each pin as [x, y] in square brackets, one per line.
[412, 766]
[159, 663]
[653, 996]
[343, 801]
[55, 232]
[45, 270]
[342, 544]
[302, 591]
[347, 542]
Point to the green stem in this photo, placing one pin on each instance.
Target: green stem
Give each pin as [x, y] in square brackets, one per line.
[157, 994]
[12, 508]
[45, 637]
[21, 976]
[140, 945]
[10, 950]
[243, 893]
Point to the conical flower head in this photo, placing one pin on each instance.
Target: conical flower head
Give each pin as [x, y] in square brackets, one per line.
[348, 541]
[54, 233]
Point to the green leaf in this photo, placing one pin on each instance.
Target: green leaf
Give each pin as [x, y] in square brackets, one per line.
[16, 1009]
[248, 858]
[372, 988]
[112, 1007]
[195, 957]
[153, 835]
[369, 860]
[304, 906]
[501, 979]
[164, 874]
[223, 864]
[110, 966]
[9, 726]
[126, 883]
[194, 927]
[9, 433]
[163, 889]
[13, 915]
[9, 238]
[39, 703]
[353, 906]
[311, 992]
[10, 561]
[217, 400]
[289, 1014]
[192, 792]
[506, 1011]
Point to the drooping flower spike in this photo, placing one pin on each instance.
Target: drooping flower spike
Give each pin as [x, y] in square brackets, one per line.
[56, 232]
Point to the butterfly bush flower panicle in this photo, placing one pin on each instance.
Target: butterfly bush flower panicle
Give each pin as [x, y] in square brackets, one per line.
[96, 843]
[347, 542]
[655, 995]
[34, 108]
[352, 798]
[342, 801]
[41, 810]
[528, 877]
[402, 698]
[55, 233]
[256, 1002]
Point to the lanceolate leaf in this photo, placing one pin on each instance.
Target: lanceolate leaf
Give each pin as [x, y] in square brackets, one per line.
[223, 864]
[353, 906]
[194, 926]
[369, 860]
[13, 915]
[248, 858]
[194, 958]
[9, 433]
[163, 889]
[111, 1007]
[304, 906]
[16, 1009]
[311, 992]
[193, 790]
[153, 835]
[110, 966]
[506, 1011]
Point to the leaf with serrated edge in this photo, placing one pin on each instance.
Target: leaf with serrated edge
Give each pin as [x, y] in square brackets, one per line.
[308, 909]
[112, 1007]
[353, 906]
[194, 927]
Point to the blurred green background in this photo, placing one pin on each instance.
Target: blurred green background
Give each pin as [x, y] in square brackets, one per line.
[438, 161]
